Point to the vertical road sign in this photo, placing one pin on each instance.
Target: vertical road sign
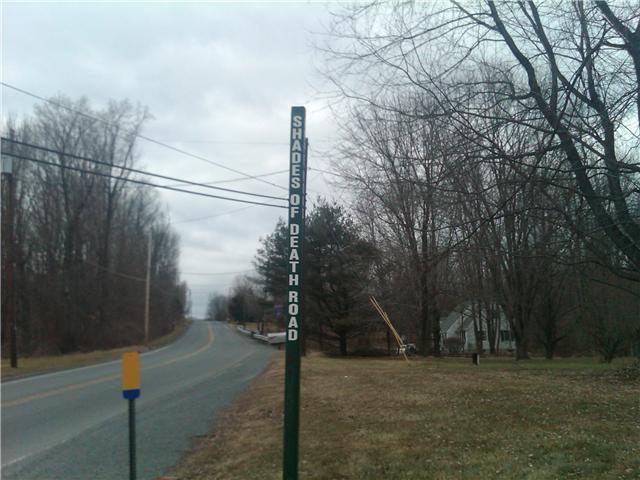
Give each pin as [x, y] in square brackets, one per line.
[131, 391]
[130, 375]
[297, 174]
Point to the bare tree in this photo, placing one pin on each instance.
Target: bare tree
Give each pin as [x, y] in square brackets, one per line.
[541, 175]
[400, 166]
[217, 307]
[570, 67]
[81, 249]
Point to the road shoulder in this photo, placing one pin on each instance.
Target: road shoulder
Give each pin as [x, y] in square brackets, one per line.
[243, 437]
[32, 366]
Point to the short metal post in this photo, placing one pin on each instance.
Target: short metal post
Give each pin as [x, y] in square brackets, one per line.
[132, 439]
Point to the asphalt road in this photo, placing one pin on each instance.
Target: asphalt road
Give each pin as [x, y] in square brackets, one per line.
[73, 424]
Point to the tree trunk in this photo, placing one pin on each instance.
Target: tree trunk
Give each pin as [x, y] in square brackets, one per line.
[518, 325]
[388, 342]
[549, 350]
[343, 344]
[426, 326]
[425, 329]
[521, 351]
[436, 332]
[425, 314]
[493, 325]
[477, 326]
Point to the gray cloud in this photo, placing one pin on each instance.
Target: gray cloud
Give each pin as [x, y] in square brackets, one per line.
[207, 72]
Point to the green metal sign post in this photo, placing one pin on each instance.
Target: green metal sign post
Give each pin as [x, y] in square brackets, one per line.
[293, 315]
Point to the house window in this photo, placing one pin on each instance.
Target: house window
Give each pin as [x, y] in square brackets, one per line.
[505, 335]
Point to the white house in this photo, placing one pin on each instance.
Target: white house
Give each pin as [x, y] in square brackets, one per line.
[460, 324]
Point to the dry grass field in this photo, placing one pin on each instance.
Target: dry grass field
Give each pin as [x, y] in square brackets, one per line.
[433, 419]
[34, 365]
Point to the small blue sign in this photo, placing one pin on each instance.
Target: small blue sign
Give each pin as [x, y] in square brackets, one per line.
[133, 393]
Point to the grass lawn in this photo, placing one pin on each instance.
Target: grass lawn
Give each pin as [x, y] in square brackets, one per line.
[432, 419]
[33, 365]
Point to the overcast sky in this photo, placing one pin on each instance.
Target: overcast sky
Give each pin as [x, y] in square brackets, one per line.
[219, 80]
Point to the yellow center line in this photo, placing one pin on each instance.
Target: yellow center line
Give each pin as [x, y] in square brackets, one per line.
[57, 391]
[77, 386]
[188, 355]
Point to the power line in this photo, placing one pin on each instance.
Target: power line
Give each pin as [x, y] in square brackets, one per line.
[130, 277]
[197, 219]
[135, 170]
[239, 179]
[217, 273]
[143, 137]
[118, 274]
[140, 182]
[203, 287]
[247, 142]
[232, 142]
[326, 171]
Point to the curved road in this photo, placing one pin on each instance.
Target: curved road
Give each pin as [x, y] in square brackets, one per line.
[73, 424]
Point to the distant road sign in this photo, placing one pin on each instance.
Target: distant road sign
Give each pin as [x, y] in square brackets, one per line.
[130, 375]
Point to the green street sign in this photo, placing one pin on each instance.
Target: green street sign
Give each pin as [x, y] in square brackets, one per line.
[293, 314]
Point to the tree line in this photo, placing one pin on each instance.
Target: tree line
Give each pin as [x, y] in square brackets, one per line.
[491, 152]
[81, 233]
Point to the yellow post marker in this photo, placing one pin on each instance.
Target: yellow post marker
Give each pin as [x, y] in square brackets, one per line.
[130, 375]
[131, 391]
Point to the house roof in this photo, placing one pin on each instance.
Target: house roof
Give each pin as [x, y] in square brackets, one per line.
[447, 322]
[464, 310]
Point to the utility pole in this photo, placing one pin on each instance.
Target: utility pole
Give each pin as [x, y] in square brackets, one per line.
[147, 290]
[7, 244]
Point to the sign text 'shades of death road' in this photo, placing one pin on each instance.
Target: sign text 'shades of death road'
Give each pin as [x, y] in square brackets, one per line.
[297, 173]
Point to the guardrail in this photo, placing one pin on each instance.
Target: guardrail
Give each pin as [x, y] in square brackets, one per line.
[270, 338]
[276, 338]
[244, 330]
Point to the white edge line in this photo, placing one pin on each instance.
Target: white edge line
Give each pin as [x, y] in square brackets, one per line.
[15, 460]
